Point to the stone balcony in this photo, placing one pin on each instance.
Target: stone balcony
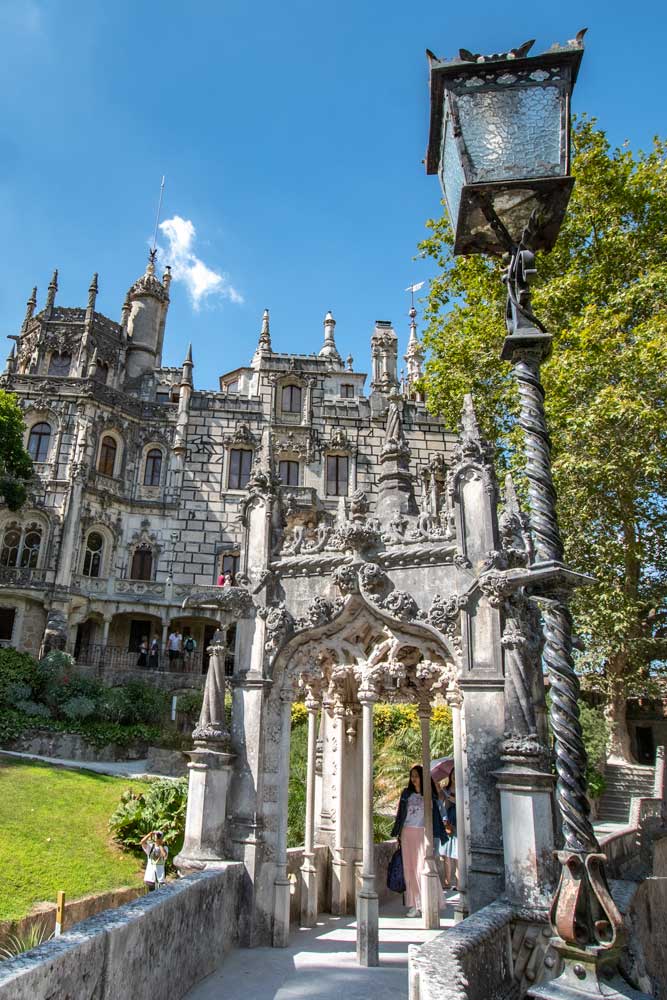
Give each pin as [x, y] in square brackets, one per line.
[111, 588]
[23, 576]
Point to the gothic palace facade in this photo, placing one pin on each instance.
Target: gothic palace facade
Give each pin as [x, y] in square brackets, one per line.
[140, 476]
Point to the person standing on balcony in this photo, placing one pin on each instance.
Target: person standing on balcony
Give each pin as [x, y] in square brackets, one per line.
[142, 659]
[174, 648]
[154, 654]
[189, 648]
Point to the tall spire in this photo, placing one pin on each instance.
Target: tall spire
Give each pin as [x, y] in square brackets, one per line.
[51, 294]
[329, 350]
[30, 308]
[264, 343]
[414, 356]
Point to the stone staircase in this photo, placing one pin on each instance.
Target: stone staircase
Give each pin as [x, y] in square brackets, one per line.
[623, 782]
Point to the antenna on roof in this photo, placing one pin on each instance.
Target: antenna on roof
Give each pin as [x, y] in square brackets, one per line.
[157, 217]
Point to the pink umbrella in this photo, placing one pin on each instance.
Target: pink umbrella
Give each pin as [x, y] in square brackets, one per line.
[442, 768]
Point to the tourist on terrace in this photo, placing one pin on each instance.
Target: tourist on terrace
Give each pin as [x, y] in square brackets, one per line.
[449, 849]
[156, 852]
[409, 828]
[154, 654]
[174, 648]
[142, 659]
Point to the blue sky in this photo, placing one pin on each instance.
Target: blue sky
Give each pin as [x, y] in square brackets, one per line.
[291, 136]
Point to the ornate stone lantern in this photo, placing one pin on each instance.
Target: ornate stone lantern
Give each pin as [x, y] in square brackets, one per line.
[499, 141]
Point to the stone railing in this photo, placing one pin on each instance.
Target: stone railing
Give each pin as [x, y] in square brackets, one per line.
[627, 848]
[157, 946]
[157, 590]
[118, 658]
[22, 576]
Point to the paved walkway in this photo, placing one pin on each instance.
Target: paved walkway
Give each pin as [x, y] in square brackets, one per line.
[321, 963]
[119, 768]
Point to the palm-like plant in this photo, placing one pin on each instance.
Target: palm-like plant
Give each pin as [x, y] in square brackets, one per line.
[25, 940]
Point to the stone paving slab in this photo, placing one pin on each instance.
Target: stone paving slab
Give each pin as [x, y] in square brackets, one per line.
[321, 963]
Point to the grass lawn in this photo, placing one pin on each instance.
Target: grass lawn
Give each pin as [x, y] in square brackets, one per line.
[53, 835]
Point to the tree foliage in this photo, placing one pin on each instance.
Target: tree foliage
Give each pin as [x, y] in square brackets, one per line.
[15, 462]
[602, 294]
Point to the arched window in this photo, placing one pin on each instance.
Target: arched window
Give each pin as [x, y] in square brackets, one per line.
[153, 467]
[142, 564]
[60, 364]
[38, 442]
[107, 456]
[92, 561]
[291, 399]
[11, 542]
[31, 545]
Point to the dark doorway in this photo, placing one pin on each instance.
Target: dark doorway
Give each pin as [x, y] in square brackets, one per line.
[138, 630]
[645, 745]
[83, 638]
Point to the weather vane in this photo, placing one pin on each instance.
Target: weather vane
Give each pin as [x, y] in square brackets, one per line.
[412, 289]
[157, 220]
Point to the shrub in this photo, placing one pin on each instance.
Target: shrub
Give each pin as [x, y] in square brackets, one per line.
[17, 692]
[57, 661]
[34, 709]
[17, 668]
[189, 705]
[79, 707]
[299, 714]
[25, 940]
[161, 807]
[133, 703]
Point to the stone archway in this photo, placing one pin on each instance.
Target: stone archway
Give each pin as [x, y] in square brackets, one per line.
[358, 655]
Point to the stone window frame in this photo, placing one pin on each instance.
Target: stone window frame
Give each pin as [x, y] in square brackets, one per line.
[24, 525]
[227, 472]
[293, 460]
[145, 452]
[118, 458]
[289, 417]
[106, 554]
[143, 547]
[351, 473]
[41, 419]
[347, 386]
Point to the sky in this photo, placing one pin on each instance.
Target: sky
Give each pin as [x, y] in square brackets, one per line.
[291, 137]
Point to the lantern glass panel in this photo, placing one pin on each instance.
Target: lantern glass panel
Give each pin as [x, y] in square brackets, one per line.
[451, 171]
[512, 134]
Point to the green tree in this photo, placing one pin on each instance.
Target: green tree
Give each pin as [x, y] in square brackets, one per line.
[15, 462]
[602, 293]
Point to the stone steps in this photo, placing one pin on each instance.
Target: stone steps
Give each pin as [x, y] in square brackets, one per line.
[624, 781]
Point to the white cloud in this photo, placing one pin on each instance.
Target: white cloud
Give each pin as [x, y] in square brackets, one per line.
[201, 281]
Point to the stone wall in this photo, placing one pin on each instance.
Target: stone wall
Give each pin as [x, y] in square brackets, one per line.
[157, 946]
[470, 961]
[44, 914]
[69, 746]
[164, 680]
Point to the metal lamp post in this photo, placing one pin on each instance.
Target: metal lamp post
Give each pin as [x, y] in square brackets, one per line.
[499, 141]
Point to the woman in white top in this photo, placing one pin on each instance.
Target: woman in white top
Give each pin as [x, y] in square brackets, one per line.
[409, 828]
[156, 852]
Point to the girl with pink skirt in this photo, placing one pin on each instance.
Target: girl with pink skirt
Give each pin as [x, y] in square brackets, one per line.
[409, 828]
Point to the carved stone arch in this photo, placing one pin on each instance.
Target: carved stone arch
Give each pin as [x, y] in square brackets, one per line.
[97, 526]
[357, 641]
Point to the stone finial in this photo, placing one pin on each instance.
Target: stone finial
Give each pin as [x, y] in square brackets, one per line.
[188, 365]
[92, 364]
[125, 312]
[149, 283]
[166, 277]
[51, 293]
[329, 350]
[92, 291]
[30, 308]
[349, 362]
[11, 360]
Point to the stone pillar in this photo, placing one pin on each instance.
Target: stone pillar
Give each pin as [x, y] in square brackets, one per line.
[281, 906]
[430, 880]
[308, 869]
[526, 794]
[210, 769]
[367, 898]
[455, 701]
[346, 845]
